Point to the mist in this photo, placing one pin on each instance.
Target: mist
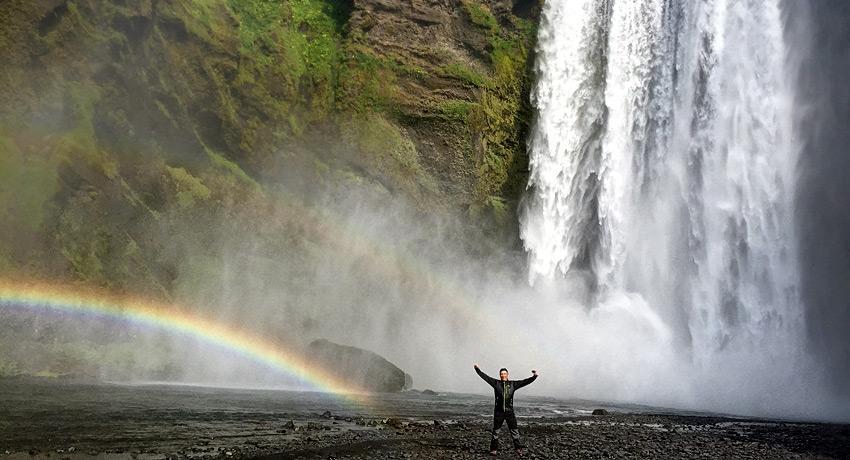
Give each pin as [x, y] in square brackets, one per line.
[390, 279]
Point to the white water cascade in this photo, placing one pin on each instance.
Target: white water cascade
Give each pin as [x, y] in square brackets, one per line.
[662, 167]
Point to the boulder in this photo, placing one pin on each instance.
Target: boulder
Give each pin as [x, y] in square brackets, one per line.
[429, 392]
[600, 412]
[394, 422]
[357, 367]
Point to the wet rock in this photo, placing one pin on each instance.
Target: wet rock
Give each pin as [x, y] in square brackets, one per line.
[600, 412]
[429, 392]
[394, 422]
[327, 414]
[357, 367]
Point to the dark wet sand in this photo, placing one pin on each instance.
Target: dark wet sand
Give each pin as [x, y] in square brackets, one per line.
[50, 420]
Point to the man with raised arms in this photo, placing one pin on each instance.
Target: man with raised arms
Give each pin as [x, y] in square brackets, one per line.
[504, 408]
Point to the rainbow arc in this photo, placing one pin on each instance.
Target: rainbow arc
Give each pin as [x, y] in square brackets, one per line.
[173, 319]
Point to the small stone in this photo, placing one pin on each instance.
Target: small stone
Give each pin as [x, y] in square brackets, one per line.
[394, 422]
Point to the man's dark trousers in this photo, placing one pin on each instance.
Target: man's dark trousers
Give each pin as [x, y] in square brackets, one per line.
[498, 419]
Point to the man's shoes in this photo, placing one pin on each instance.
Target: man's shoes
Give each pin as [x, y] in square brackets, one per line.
[494, 452]
[520, 452]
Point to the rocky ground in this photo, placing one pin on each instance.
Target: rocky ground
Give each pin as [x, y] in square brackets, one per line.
[608, 436]
[75, 420]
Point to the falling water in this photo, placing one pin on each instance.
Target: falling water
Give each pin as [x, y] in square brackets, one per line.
[662, 166]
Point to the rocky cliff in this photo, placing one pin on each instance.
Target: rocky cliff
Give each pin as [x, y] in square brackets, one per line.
[203, 151]
[120, 119]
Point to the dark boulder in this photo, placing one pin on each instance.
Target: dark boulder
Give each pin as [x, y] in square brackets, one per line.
[600, 412]
[357, 367]
[429, 392]
[394, 422]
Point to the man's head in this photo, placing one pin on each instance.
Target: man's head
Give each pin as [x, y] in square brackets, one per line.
[503, 374]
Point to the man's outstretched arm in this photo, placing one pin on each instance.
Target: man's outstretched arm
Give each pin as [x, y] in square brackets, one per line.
[525, 382]
[490, 380]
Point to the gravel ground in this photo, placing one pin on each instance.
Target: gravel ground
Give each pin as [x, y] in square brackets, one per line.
[604, 437]
[609, 436]
[79, 421]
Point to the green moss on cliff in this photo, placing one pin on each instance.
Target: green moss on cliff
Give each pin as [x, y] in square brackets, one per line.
[480, 15]
[27, 184]
[189, 189]
[464, 73]
[501, 120]
[366, 82]
[389, 153]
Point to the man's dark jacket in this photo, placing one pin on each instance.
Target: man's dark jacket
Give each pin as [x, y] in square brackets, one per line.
[504, 390]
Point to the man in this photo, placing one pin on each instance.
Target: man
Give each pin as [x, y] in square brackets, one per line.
[504, 409]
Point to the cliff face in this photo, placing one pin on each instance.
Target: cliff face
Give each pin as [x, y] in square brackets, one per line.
[458, 87]
[121, 121]
[216, 153]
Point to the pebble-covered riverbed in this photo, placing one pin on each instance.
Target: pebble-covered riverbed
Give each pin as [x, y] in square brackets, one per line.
[71, 420]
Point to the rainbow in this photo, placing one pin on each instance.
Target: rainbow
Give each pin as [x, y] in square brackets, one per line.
[174, 319]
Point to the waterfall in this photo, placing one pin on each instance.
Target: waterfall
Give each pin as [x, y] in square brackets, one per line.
[662, 165]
